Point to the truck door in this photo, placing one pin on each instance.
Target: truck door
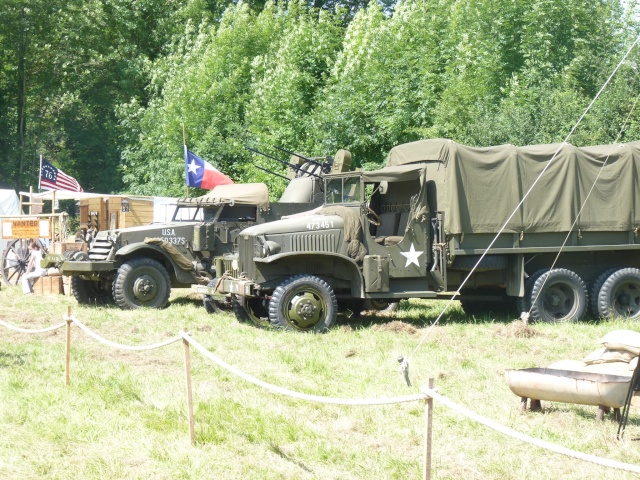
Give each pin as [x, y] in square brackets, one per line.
[398, 248]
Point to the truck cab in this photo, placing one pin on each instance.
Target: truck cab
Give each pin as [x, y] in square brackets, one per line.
[372, 239]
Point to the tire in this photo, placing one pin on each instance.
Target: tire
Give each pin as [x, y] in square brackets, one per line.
[488, 263]
[305, 303]
[380, 306]
[214, 306]
[619, 294]
[89, 292]
[558, 295]
[595, 292]
[251, 310]
[141, 282]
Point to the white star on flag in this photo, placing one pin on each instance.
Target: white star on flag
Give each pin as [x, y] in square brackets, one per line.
[412, 256]
[193, 167]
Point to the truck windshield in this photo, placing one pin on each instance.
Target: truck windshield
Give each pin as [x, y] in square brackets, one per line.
[187, 214]
[343, 190]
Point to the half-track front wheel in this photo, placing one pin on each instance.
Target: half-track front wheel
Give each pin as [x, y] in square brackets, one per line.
[305, 303]
[141, 282]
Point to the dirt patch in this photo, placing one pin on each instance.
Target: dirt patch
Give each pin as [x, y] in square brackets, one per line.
[515, 329]
[396, 327]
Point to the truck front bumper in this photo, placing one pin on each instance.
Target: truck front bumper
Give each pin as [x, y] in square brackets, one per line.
[228, 286]
[86, 267]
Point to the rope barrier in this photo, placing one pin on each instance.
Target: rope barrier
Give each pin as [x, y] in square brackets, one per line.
[26, 330]
[103, 340]
[528, 439]
[425, 395]
[302, 396]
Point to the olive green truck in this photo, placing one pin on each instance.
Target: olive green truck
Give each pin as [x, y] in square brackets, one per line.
[419, 227]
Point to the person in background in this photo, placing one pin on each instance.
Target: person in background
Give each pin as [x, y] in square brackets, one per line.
[34, 263]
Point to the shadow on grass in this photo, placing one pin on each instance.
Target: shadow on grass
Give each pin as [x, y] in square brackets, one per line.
[11, 359]
[422, 314]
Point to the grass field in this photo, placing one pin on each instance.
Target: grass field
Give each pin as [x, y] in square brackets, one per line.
[124, 413]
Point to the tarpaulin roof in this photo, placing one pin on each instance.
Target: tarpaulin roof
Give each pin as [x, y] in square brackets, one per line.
[240, 193]
[479, 188]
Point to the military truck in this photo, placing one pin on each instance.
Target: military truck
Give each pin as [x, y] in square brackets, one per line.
[419, 227]
[136, 267]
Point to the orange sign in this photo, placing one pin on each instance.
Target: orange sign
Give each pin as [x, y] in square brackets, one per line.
[25, 228]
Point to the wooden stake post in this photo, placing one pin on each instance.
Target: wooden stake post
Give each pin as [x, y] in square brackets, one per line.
[187, 371]
[67, 356]
[428, 430]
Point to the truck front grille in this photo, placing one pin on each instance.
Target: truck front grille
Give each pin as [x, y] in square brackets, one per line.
[228, 267]
[313, 243]
[100, 250]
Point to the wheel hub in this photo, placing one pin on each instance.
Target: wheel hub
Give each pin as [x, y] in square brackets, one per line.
[559, 302]
[305, 310]
[145, 288]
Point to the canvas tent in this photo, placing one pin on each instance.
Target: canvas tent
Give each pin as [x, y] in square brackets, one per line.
[9, 203]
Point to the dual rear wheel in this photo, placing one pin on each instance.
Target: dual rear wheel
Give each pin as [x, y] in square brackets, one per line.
[560, 295]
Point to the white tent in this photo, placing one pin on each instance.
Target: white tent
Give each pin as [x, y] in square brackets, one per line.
[9, 203]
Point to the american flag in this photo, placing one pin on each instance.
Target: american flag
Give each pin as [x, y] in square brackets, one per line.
[53, 178]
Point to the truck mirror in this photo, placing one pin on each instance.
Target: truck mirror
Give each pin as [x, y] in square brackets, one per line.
[384, 186]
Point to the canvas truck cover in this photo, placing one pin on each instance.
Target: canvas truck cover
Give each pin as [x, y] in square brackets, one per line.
[240, 193]
[479, 188]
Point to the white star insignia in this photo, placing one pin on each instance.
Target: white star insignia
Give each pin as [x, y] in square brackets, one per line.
[193, 167]
[412, 256]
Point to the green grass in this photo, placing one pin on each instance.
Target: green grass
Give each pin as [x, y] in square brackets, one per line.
[124, 414]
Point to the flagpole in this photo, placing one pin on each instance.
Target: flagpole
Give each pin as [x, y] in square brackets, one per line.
[39, 174]
[184, 140]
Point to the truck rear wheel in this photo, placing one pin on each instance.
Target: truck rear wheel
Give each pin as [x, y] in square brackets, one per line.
[250, 310]
[619, 294]
[558, 295]
[141, 282]
[89, 292]
[305, 303]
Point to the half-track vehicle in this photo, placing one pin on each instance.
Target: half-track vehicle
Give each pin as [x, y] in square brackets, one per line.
[137, 267]
[419, 227]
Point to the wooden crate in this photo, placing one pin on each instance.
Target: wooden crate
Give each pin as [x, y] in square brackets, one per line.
[110, 214]
[48, 285]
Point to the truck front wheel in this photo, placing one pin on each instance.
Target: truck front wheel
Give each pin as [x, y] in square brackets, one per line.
[305, 303]
[141, 282]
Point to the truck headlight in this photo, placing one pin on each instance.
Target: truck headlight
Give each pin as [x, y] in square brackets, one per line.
[270, 248]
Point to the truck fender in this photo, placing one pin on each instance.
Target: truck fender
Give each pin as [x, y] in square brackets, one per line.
[351, 269]
[155, 251]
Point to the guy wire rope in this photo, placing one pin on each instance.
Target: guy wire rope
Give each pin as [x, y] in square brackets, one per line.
[406, 361]
[593, 185]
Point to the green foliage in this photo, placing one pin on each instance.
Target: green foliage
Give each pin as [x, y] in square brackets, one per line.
[103, 88]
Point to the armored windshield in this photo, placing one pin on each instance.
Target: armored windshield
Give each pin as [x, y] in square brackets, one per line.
[343, 190]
